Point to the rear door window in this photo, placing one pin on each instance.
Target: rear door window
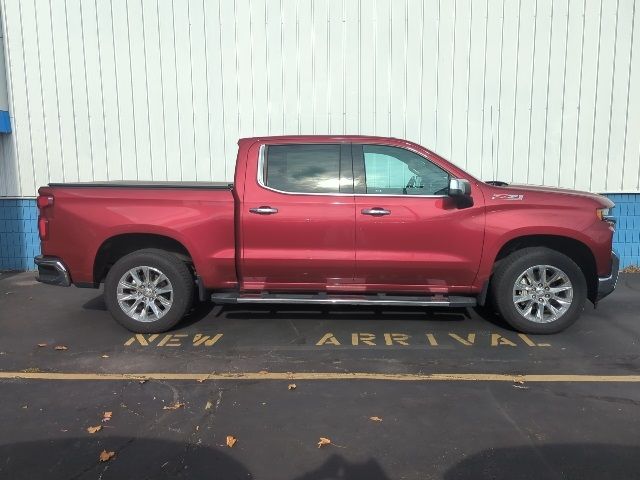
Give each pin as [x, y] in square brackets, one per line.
[306, 168]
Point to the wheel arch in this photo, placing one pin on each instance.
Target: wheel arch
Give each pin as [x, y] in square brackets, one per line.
[576, 250]
[117, 246]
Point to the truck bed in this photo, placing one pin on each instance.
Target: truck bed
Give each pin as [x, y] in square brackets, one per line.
[85, 218]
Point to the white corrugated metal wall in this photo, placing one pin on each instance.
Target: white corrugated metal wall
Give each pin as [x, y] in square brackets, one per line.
[536, 91]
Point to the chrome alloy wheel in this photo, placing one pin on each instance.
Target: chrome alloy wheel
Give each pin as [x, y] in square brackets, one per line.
[145, 294]
[542, 293]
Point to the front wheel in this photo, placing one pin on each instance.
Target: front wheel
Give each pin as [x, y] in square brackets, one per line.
[538, 290]
[148, 291]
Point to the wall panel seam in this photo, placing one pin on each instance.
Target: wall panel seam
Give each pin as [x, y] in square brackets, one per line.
[613, 87]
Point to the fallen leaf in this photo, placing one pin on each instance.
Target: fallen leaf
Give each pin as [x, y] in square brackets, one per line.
[292, 386]
[200, 380]
[323, 441]
[208, 405]
[375, 419]
[42, 345]
[106, 416]
[144, 380]
[95, 429]
[60, 347]
[173, 406]
[106, 456]
[231, 441]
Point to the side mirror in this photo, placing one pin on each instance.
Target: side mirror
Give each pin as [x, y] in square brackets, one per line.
[459, 187]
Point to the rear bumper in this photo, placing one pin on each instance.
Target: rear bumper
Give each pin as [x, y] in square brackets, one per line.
[52, 270]
[606, 285]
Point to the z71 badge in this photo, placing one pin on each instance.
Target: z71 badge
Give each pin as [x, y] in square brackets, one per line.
[506, 196]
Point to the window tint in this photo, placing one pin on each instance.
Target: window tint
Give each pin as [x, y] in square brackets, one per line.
[396, 171]
[303, 168]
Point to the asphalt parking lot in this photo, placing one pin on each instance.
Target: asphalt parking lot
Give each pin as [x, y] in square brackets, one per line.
[399, 393]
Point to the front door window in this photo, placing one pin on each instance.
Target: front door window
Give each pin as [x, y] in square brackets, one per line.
[396, 171]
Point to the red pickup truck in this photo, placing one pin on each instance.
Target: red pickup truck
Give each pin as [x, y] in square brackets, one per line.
[331, 220]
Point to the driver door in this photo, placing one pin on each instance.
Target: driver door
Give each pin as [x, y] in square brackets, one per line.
[410, 234]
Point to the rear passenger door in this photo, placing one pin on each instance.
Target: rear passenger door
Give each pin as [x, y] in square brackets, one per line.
[298, 225]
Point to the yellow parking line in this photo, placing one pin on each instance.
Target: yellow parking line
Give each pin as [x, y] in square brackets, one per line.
[434, 377]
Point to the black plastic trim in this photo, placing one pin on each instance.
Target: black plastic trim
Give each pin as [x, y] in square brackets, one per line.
[202, 291]
[359, 174]
[607, 285]
[482, 297]
[346, 169]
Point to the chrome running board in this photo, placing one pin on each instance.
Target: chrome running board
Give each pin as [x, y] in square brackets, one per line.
[337, 299]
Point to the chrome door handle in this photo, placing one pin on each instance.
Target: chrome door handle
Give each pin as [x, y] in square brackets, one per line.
[376, 211]
[264, 210]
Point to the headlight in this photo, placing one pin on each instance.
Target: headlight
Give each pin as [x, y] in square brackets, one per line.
[602, 213]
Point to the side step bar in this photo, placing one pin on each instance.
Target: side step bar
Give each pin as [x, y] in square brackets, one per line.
[337, 299]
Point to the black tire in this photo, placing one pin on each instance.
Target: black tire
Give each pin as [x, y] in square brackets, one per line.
[507, 273]
[176, 271]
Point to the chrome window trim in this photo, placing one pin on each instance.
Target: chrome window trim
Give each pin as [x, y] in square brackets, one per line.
[260, 179]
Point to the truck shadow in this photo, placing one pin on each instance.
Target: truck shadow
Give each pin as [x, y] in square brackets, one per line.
[96, 303]
[199, 311]
[316, 313]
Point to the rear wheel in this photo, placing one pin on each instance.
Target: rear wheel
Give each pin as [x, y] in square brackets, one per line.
[148, 291]
[539, 290]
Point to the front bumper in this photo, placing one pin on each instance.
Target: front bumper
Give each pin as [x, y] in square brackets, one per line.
[52, 270]
[606, 285]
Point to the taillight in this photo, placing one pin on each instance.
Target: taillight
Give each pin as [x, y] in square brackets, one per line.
[43, 228]
[44, 201]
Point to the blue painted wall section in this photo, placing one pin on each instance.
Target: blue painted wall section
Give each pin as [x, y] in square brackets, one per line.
[5, 122]
[19, 241]
[626, 241]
